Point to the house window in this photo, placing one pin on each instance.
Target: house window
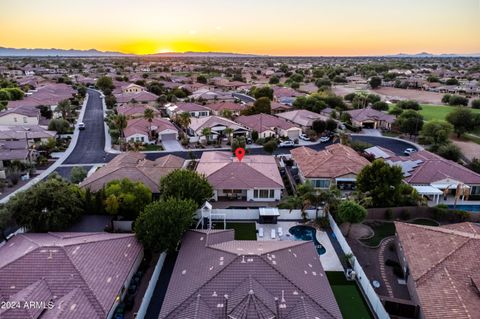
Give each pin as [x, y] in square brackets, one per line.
[24, 119]
[263, 193]
[321, 183]
[15, 119]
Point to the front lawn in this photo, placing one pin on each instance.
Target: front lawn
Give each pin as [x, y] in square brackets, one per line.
[381, 230]
[243, 231]
[152, 147]
[349, 297]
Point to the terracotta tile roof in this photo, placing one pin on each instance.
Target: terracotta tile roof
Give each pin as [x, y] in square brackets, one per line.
[82, 273]
[135, 110]
[335, 161]
[279, 91]
[224, 171]
[49, 94]
[197, 124]
[368, 113]
[136, 167]
[190, 107]
[444, 264]
[226, 105]
[302, 117]
[264, 122]
[142, 126]
[432, 168]
[142, 96]
[205, 276]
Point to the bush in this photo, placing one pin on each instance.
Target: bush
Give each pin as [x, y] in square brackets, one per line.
[450, 152]
[380, 106]
[455, 100]
[360, 146]
[270, 146]
[409, 105]
[476, 104]
[61, 126]
[323, 222]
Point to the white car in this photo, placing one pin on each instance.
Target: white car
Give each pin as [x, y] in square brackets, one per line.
[304, 137]
[409, 151]
[286, 144]
[81, 126]
[324, 139]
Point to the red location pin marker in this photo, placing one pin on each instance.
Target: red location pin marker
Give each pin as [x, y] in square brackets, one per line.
[240, 153]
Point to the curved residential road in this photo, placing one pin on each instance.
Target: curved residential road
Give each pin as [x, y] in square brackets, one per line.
[91, 141]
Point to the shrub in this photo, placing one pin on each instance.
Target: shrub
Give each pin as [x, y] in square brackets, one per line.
[409, 105]
[380, 106]
[476, 104]
[457, 100]
[450, 152]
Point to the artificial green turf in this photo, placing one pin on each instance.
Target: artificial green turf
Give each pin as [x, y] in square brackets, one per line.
[243, 231]
[424, 221]
[381, 230]
[349, 297]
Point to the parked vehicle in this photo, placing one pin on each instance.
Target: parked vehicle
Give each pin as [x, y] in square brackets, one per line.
[249, 141]
[304, 137]
[286, 144]
[81, 126]
[324, 139]
[409, 151]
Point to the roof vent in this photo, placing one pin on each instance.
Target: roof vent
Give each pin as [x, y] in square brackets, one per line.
[184, 272]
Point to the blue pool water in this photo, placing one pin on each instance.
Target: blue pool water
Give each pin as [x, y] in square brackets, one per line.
[468, 208]
[301, 232]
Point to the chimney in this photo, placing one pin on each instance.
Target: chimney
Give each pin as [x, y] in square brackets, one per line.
[226, 306]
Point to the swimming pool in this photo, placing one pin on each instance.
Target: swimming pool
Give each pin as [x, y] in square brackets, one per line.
[468, 208]
[301, 232]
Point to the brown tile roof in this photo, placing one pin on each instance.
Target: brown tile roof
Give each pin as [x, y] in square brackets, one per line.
[226, 105]
[81, 272]
[252, 274]
[368, 113]
[335, 161]
[136, 167]
[142, 126]
[444, 264]
[224, 171]
[263, 122]
[432, 168]
[49, 94]
[302, 117]
[142, 96]
[135, 110]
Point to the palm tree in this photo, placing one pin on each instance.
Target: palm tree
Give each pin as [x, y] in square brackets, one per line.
[120, 122]
[206, 131]
[227, 114]
[149, 115]
[228, 131]
[65, 108]
[184, 120]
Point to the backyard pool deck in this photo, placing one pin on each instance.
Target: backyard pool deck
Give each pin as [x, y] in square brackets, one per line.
[329, 260]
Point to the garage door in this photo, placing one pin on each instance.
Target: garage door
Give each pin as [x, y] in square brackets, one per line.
[293, 134]
[169, 137]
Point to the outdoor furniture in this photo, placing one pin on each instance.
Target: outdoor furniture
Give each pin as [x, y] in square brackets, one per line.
[273, 234]
[260, 232]
[280, 231]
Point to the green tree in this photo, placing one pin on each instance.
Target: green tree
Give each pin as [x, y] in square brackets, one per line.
[261, 105]
[206, 132]
[78, 174]
[319, 126]
[264, 91]
[274, 80]
[270, 146]
[51, 205]
[110, 101]
[381, 182]
[409, 105]
[202, 79]
[462, 120]
[452, 81]
[351, 213]
[410, 122]
[239, 142]
[184, 119]
[149, 115]
[161, 225]
[323, 83]
[476, 104]
[436, 132]
[6, 221]
[446, 98]
[186, 184]
[457, 100]
[105, 83]
[449, 151]
[126, 198]
[331, 125]
[380, 106]
[375, 82]
[65, 108]
[120, 121]
[61, 126]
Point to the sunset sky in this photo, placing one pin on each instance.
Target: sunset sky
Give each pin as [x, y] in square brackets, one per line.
[274, 27]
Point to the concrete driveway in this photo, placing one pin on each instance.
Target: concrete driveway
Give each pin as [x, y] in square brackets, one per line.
[172, 146]
[371, 132]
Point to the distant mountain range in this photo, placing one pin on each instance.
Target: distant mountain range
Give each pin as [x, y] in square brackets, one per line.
[57, 52]
[430, 55]
[13, 52]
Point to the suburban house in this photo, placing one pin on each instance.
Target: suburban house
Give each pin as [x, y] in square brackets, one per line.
[302, 118]
[138, 97]
[255, 178]
[49, 95]
[211, 95]
[441, 268]
[83, 275]
[134, 166]
[218, 107]
[195, 110]
[433, 175]
[280, 92]
[136, 110]
[22, 115]
[141, 130]
[336, 165]
[32, 133]
[132, 88]
[13, 151]
[218, 277]
[270, 126]
[370, 118]
[279, 107]
[217, 126]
